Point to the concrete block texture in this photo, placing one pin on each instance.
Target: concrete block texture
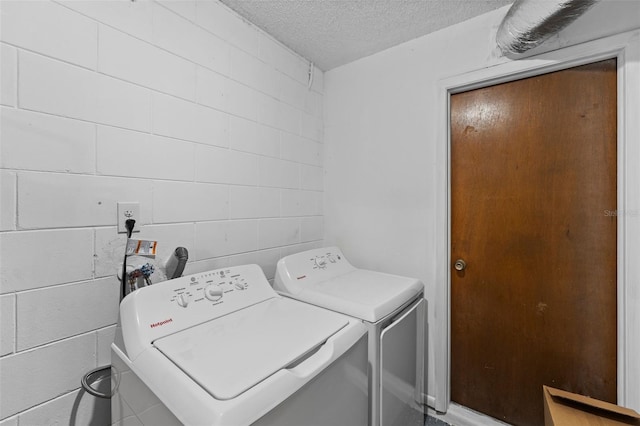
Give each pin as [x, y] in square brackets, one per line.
[181, 106]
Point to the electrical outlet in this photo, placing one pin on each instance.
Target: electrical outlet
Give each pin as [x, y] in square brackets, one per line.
[128, 211]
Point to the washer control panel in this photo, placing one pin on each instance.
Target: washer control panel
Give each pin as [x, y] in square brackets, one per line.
[170, 306]
[211, 286]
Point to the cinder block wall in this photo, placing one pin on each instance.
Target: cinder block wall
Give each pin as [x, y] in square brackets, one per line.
[180, 105]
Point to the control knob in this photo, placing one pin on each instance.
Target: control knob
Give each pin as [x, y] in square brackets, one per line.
[183, 300]
[213, 292]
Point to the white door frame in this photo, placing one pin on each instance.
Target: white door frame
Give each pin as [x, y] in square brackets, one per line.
[626, 48]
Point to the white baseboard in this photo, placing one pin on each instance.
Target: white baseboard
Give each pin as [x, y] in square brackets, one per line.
[462, 416]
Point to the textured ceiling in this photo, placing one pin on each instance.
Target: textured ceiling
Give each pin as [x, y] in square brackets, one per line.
[335, 32]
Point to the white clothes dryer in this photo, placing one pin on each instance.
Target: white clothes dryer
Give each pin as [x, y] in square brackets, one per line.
[223, 348]
[393, 309]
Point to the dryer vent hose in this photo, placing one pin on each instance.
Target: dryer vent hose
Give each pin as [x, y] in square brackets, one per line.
[529, 23]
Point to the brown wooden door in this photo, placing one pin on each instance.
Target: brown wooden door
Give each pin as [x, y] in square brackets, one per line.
[533, 200]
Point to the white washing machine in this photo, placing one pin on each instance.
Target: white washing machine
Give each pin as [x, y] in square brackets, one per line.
[223, 348]
[392, 308]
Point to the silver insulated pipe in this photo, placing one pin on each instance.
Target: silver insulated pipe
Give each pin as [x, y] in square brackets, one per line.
[530, 22]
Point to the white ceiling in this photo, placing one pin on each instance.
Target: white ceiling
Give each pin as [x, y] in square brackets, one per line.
[335, 32]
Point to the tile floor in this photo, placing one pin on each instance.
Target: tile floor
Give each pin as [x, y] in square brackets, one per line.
[432, 421]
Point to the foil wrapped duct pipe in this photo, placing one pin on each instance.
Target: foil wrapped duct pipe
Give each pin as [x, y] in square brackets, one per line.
[528, 23]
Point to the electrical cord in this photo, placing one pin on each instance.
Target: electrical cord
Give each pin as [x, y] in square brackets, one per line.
[129, 224]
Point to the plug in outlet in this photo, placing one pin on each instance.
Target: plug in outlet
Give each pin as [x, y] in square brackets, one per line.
[128, 211]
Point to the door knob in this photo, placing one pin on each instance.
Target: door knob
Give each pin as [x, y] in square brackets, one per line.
[460, 265]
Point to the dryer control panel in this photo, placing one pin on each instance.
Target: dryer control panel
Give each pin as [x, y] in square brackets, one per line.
[296, 271]
[174, 305]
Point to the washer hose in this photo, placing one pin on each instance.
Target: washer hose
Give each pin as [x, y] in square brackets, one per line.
[176, 263]
[89, 379]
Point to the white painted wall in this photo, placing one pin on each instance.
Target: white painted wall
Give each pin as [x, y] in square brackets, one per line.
[180, 105]
[382, 119]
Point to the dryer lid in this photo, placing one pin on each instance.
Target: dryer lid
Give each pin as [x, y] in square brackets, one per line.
[363, 294]
[230, 355]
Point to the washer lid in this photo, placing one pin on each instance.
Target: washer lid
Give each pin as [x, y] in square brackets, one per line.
[363, 294]
[229, 355]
